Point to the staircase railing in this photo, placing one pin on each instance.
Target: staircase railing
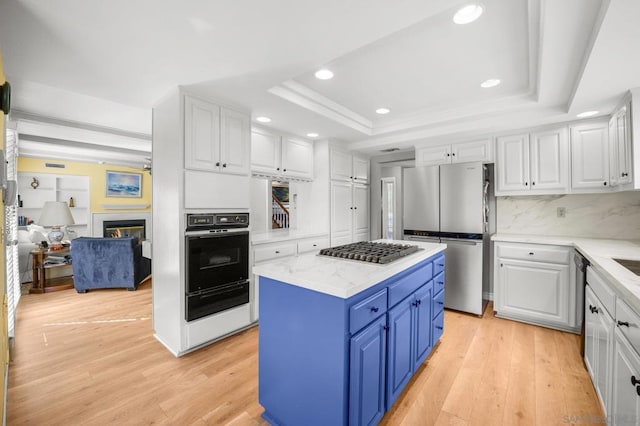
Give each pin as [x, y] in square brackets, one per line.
[279, 214]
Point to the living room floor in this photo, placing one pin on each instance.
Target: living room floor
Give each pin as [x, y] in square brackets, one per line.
[91, 359]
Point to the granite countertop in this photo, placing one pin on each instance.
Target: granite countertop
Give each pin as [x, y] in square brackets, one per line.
[600, 253]
[340, 277]
[277, 235]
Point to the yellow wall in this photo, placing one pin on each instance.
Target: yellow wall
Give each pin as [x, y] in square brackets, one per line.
[97, 178]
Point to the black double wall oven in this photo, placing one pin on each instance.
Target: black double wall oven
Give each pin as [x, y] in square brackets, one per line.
[217, 263]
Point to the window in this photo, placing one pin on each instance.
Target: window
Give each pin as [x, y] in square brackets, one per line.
[280, 215]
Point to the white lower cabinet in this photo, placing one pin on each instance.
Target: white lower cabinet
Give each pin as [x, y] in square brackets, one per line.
[598, 346]
[612, 350]
[535, 283]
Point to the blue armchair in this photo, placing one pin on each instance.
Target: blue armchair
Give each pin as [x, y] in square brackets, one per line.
[108, 263]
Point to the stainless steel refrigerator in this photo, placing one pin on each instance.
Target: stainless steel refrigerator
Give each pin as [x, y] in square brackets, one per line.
[454, 204]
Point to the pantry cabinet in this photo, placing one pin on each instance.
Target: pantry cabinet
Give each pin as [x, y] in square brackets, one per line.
[348, 167]
[349, 213]
[536, 162]
[590, 157]
[216, 138]
[463, 152]
[281, 156]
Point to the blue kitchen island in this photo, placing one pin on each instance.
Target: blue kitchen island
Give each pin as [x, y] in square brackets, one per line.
[340, 339]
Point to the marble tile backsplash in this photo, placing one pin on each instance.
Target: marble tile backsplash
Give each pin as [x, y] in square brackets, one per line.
[614, 216]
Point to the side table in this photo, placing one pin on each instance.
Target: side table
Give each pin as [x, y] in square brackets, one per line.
[40, 267]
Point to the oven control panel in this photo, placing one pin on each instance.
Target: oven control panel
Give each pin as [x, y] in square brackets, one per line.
[204, 221]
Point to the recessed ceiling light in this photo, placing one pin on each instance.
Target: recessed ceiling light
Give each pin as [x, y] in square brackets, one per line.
[492, 82]
[324, 74]
[467, 14]
[587, 114]
[263, 119]
[383, 111]
[312, 135]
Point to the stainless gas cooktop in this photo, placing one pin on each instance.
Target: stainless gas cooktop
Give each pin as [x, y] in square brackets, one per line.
[370, 252]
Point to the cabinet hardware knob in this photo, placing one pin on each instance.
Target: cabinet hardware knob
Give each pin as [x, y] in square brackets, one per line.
[355, 208]
[625, 174]
[634, 381]
[419, 302]
[284, 170]
[277, 252]
[218, 164]
[438, 327]
[414, 303]
[350, 208]
[440, 303]
[374, 309]
[526, 184]
[530, 253]
[315, 245]
[224, 164]
[385, 327]
[453, 154]
[278, 168]
[350, 177]
[638, 390]
[533, 184]
[623, 323]
[593, 309]
[605, 184]
[441, 264]
[501, 265]
[448, 155]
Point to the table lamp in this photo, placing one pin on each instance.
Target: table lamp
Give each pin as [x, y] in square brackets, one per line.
[55, 214]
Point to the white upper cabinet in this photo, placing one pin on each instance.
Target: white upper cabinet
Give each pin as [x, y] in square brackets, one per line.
[549, 160]
[590, 157]
[201, 134]
[235, 134]
[348, 167]
[620, 156]
[281, 156]
[265, 151]
[533, 163]
[297, 157]
[216, 138]
[512, 163]
[477, 150]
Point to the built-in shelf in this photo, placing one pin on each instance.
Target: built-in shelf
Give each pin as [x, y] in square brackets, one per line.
[125, 206]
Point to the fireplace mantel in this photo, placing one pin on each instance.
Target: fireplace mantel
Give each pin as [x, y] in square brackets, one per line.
[98, 218]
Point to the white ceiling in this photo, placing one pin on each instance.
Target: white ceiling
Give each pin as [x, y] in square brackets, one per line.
[105, 64]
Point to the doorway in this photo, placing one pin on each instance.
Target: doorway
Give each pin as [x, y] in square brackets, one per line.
[389, 217]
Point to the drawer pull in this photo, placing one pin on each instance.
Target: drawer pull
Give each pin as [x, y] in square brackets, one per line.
[593, 309]
[277, 252]
[315, 245]
[440, 303]
[414, 303]
[530, 253]
[438, 327]
[621, 323]
[634, 381]
[441, 265]
[374, 309]
[638, 390]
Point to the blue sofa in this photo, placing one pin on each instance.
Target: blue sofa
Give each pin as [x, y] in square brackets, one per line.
[108, 263]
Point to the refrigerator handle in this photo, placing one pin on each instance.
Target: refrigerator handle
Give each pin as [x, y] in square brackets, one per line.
[458, 241]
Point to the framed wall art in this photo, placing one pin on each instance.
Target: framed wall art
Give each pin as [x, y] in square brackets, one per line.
[124, 184]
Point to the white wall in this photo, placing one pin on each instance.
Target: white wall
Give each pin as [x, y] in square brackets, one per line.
[614, 216]
[260, 205]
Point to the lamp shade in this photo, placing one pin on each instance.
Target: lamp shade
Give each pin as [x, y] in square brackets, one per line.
[55, 213]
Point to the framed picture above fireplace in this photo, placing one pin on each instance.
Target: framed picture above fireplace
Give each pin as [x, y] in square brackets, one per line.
[124, 184]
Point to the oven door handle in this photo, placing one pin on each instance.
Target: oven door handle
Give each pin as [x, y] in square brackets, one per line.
[220, 290]
[214, 233]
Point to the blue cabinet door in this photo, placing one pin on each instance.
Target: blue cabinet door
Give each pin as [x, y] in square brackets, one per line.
[422, 323]
[400, 362]
[367, 374]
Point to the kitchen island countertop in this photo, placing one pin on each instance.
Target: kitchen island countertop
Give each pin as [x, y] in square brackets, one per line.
[341, 277]
[600, 253]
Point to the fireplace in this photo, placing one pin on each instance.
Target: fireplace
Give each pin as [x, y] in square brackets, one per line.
[124, 228]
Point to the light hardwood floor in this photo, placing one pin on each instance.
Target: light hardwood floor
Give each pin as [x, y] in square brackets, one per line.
[91, 359]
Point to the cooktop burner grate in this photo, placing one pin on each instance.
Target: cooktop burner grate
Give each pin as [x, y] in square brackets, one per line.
[370, 252]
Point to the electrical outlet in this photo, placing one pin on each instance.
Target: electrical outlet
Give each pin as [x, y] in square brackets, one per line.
[562, 211]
